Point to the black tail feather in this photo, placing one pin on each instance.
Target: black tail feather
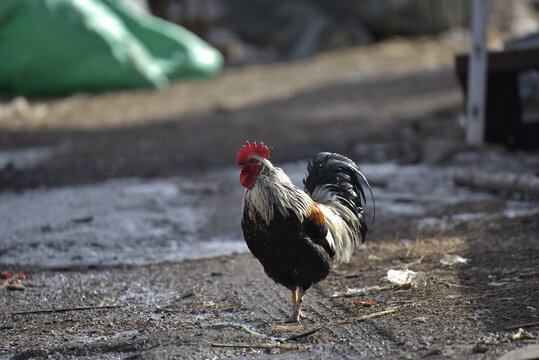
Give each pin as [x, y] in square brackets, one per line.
[342, 178]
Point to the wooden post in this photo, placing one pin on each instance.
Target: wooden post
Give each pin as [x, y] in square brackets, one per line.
[477, 74]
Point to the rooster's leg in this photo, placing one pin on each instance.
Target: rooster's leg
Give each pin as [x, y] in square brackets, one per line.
[297, 299]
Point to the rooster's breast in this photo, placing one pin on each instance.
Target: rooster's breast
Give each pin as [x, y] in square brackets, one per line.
[290, 255]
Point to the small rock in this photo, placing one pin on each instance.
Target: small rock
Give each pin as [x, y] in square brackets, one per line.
[16, 287]
[432, 352]
[84, 219]
[479, 348]
[46, 228]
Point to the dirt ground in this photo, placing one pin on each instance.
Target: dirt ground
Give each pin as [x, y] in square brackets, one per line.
[186, 310]
[402, 108]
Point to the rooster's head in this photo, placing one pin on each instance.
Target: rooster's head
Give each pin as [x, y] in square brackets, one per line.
[250, 160]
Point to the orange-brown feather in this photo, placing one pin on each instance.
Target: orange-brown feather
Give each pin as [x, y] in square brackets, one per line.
[317, 216]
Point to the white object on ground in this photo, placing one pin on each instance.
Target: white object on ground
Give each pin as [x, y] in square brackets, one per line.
[451, 259]
[406, 277]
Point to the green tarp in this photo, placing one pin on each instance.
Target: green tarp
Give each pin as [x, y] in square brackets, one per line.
[62, 46]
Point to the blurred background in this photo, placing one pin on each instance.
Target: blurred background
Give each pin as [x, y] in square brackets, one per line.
[120, 120]
[285, 30]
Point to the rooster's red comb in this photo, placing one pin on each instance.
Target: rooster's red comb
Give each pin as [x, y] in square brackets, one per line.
[252, 149]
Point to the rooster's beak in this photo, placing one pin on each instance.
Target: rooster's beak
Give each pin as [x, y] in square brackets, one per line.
[240, 167]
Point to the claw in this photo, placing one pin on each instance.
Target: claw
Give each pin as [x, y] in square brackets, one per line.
[296, 318]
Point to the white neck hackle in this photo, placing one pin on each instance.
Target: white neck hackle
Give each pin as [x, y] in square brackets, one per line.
[274, 190]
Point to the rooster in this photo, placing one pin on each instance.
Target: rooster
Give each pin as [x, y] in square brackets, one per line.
[297, 235]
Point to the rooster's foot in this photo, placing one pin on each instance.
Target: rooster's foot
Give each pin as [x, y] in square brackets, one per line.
[296, 318]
